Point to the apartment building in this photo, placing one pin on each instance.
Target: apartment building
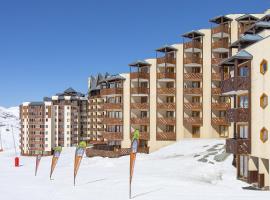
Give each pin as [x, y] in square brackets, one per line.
[36, 125]
[245, 79]
[60, 120]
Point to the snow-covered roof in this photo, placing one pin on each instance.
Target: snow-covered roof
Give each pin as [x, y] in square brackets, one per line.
[139, 63]
[192, 34]
[247, 38]
[242, 55]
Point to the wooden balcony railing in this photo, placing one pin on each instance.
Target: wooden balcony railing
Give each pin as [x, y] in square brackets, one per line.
[193, 121]
[219, 121]
[193, 76]
[191, 60]
[238, 146]
[165, 91]
[193, 44]
[140, 121]
[139, 90]
[221, 106]
[143, 135]
[192, 106]
[111, 91]
[169, 75]
[141, 75]
[223, 28]
[193, 91]
[220, 44]
[238, 115]
[112, 121]
[166, 121]
[166, 106]
[163, 60]
[234, 84]
[216, 77]
[216, 91]
[216, 61]
[139, 106]
[112, 135]
[111, 106]
[91, 152]
[166, 136]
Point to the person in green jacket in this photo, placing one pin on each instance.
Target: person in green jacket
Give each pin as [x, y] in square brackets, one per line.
[136, 135]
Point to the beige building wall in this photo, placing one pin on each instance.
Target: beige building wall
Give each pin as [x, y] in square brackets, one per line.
[179, 92]
[126, 112]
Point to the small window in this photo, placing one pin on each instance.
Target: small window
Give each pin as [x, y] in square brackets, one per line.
[263, 101]
[263, 67]
[264, 135]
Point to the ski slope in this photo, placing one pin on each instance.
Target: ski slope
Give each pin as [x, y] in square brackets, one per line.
[187, 170]
[9, 121]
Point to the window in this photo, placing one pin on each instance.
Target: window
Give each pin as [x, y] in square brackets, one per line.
[243, 102]
[243, 72]
[264, 135]
[243, 131]
[263, 67]
[263, 100]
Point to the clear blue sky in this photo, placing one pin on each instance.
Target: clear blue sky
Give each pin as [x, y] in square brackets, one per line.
[47, 46]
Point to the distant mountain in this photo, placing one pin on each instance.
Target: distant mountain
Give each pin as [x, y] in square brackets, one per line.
[9, 120]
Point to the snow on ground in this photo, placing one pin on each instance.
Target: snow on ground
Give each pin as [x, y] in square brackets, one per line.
[187, 170]
[9, 121]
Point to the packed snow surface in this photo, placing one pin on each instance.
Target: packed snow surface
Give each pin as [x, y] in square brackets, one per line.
[191, 169]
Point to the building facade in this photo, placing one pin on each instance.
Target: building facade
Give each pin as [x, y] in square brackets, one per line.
[60, 120]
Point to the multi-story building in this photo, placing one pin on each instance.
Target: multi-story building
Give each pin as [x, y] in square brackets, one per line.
[57, 121]
[245, 79]
[36, 126]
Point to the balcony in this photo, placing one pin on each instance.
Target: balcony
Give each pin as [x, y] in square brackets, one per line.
[238, 115]
[139, 106]
[139, 121]
[221, 106]
[223, 28]
[193, 121]
[112, 121]
[193, 106]
[166, 91]
[234, 84]
[143, 135]
[216, 91]
[166, 121]
[139, 90]
[111, 91]
[219, 121]
[216, 77]
[166, 106]
[193, 76]
[139, 75]
[220, 44]
[216, 61]
[193, 60]
[168, 75]
[112, 135]
[163, 60]
[194, 44]
[166, 136]
[112, 106]
[238, 146]
[193, 91]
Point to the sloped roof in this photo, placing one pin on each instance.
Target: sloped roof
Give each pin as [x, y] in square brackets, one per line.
[166, 48]
[247, 38]
[219, 19]
[112, 78]
[242, 55]
[139, 63]
[246, 16]
[259, 26]
[36, 103]
[70, 92]
[192, 34]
